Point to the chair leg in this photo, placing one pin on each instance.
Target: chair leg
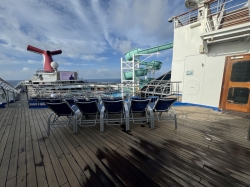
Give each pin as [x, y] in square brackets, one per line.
[126, 114]
[48, 123]
[75, 124]
[175, 121]
[101, 120]
[152, 122]
[140, 122]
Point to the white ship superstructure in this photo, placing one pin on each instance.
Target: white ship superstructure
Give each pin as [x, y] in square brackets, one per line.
[211, 54]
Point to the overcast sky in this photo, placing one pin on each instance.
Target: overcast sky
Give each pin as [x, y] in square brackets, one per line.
[92, 34]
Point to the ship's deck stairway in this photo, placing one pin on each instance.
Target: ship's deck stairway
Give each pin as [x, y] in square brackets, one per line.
[161, 87]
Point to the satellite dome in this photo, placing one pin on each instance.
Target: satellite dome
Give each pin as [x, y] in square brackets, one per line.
[54, 65]
[193, 3]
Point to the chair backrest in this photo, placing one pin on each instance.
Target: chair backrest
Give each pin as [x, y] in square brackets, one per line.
[70, 100]
[89, 99]
[153, 98]
[111, 99]
[117, 98]
[113, 106]
[80, 99]
[134, 97]
[45, 100]
[87, 107]
[61, 109]
[163, 104]
[94, 99]
[55, 101]
[139, 105]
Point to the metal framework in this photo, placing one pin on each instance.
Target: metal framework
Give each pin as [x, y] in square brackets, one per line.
[133, 85]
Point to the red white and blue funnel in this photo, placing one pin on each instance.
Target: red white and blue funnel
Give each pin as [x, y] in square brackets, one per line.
[47, 57]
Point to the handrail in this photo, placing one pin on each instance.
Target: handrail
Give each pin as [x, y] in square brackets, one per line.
[220, 16]
[210, 1]
[193, 15]
[231, 21]
[221, 8]
[189, 11]
[6, 96]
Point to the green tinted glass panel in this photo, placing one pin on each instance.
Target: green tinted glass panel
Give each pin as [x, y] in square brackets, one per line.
[241, 71]
[238, 95]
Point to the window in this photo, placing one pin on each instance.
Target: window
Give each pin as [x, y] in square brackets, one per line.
[238, 95]
[241, 71]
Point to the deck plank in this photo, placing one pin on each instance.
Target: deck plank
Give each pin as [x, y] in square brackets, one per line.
[30, 139]
[7, 144]
[207, 149]
[111, 160]
[143, 164]
[21, 172]
[153, 151]
[63, 146]
[94, 165]
[38, 157]
[47, 154]
[5, 131]
[3, 118]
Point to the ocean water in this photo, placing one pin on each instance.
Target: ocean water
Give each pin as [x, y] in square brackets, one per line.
[104, 80]
[15, 82]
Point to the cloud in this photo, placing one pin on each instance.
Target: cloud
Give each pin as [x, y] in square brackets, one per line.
[25, 68]
[102, 70]
[122, 45]
[33, 62]
[100, 73]
[86, 31]
[93, 58]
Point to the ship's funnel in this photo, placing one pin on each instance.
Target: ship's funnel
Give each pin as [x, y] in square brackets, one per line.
[47, 56]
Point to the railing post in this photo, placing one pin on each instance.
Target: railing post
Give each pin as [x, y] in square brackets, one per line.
[249, 6]
[218, 6]
[189, 18]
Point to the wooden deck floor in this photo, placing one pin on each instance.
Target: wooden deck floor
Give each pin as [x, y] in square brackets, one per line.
[208, 149]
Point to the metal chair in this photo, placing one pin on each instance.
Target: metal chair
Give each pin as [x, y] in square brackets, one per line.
[87, 109]
[113, 107]
[88, 99]
[61, 109]
[164, 105]
[153, 98]
[142, 107]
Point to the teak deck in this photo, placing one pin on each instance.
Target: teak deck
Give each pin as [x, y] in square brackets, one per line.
[209, 148]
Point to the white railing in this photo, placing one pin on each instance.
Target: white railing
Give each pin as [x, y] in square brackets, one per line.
[220, 16]
[213, 13]
[188, 17]
[7, 93]
[221, 11]
[125, 91]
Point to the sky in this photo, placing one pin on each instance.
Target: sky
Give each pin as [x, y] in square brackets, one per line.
[93, 34]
